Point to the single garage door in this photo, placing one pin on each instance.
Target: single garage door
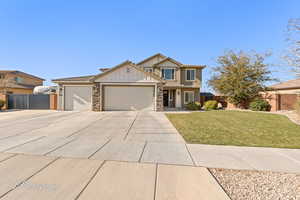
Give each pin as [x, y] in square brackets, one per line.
[78, 98]
[128, 98]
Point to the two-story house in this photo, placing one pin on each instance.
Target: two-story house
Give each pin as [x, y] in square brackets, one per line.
[17, 82]
[182, 82]
[156, 83]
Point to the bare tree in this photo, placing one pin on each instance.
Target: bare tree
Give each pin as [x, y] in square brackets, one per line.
[293, 38]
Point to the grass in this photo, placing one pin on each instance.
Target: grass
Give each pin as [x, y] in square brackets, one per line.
[237, 128]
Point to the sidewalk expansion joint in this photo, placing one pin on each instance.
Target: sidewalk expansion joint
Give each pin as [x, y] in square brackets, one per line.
[90, 180]
[99, 149]
[24, 143]
[140, 159]
[190, 154]
[27, 179]
[131, 125]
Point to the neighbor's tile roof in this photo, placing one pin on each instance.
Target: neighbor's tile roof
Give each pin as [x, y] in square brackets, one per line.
[19, 72]
[291, 84]
[75, 79]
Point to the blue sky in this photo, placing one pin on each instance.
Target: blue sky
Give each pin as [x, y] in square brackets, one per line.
[54, 38]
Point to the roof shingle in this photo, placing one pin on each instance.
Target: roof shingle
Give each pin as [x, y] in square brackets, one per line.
[74, 79]
[291, 84]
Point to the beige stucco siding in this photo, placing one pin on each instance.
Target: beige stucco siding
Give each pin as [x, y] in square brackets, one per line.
[196, 83]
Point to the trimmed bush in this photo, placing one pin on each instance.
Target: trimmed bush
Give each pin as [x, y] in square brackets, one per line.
[260, 105]
[193, 106]
[211, 105]
[2, 103]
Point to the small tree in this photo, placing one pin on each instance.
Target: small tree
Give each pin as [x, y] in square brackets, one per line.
[240, 77]
[293, 53]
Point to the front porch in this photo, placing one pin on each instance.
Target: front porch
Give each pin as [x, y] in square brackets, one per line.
[176, 98]
[172, 98]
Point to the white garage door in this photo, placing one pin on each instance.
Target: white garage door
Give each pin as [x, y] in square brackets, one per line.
[128, 98]
[78, 98]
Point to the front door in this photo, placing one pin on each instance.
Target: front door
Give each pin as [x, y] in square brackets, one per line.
[166, 98]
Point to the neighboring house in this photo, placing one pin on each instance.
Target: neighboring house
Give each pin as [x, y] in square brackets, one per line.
[283, 96]
[17, 82]
[155, 83]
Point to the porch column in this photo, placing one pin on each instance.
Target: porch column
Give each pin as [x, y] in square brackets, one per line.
[178, 98]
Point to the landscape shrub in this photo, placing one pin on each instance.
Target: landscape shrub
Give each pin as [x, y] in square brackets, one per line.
[2, 103]
[211, 105]
[260, 105]
[193, 106]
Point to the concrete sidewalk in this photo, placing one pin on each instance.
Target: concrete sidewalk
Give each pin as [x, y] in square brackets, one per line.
[252, 158]
[40, 177]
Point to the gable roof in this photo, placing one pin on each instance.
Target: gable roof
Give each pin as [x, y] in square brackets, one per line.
[291, 84]
[127, 62]
[149, 58]
[74, 79]
[21, 73]
[169, 59]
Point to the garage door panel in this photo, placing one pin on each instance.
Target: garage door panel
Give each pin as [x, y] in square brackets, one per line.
[78, 98]
[128, 98]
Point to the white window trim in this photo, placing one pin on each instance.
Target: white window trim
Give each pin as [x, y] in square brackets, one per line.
[194, 74]
[192, 92]
[168, 68]
[147, 69]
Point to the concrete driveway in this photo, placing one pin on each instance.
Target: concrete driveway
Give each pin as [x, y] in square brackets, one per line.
[121, 136]
[87, 155]
[146, 137]
[68, 155]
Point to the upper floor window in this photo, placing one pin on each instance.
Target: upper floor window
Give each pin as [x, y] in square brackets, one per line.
[190, 74]
[18, 79]
[168, 74]
[148, 70]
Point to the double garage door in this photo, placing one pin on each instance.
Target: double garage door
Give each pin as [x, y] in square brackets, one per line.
[128, 98]
[115, 98]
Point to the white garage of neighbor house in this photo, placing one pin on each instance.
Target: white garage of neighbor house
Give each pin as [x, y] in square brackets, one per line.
[123, 87]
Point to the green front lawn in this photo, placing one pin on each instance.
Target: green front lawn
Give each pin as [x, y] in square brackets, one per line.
[238, 128]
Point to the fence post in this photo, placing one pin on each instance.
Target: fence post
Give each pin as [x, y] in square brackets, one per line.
[4, 98]
[53, 101]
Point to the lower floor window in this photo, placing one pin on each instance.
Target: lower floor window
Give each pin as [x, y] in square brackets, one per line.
[188, 97]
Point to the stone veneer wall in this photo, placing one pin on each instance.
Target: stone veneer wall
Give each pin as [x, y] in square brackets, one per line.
[96, 99]
[159, 97]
